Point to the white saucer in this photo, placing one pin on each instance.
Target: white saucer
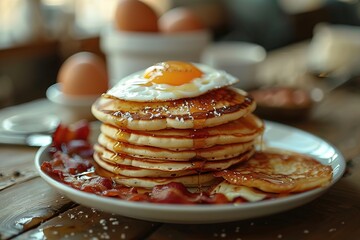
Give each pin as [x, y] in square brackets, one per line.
[30, 123]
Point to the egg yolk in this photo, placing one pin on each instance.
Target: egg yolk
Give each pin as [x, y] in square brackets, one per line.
[174, 73]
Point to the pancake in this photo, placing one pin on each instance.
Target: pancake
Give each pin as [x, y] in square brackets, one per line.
[279, 172]
[190, 181]
[217, 152]
[118, 160]
[214, 108]
[241, 130]
[130, 171]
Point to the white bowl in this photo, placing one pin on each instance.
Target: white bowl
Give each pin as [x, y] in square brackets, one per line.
[71, 108]
[237, 58]
[128, 52]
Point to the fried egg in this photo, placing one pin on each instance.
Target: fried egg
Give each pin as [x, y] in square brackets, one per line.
[170, 80]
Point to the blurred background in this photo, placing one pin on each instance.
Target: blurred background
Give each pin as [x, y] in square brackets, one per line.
[36, 36]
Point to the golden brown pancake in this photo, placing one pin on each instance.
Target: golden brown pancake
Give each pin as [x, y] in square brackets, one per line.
[279, 172]
[217, 152]
[214, 108]
[244, 129]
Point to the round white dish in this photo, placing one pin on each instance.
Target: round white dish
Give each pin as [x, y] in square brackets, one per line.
[276, 135]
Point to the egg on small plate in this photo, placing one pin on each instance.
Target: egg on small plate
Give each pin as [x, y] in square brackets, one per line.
[170, 80]
[82, 78]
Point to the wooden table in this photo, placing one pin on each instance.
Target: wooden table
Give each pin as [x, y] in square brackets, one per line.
[31, 209]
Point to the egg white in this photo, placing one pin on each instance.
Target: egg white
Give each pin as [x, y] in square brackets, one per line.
[133, 88]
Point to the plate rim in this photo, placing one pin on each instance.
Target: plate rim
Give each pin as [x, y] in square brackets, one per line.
[177, 208]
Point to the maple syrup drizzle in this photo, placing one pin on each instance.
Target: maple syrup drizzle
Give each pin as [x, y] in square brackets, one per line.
[262, 142]
[199, 137]
[199, 167]
[200, 189]
[250, 124]
[121, 134]
[118, 146]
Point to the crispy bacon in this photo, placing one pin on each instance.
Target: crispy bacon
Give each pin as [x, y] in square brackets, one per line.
[79, 174]
[173, 193]
[72, 164]
[48, 168]
[96, 184]
[177, 193]
[126, 193]
[65, 134]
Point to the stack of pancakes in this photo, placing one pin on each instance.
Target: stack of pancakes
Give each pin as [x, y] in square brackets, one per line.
[145, 144]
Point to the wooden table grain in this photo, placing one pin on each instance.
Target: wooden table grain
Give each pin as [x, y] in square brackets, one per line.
[31, 209]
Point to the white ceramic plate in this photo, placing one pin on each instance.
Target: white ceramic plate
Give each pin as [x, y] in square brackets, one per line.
[276, 135]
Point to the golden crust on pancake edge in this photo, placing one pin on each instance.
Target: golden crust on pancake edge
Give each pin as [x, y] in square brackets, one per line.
[244, 129]
[281, 172]
[210, 109]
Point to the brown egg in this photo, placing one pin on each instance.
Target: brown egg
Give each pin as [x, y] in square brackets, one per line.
[135, 16]
[180, 19]
[83, 73]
